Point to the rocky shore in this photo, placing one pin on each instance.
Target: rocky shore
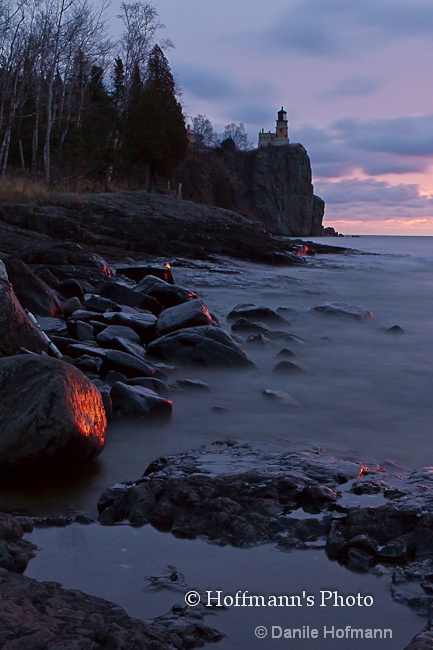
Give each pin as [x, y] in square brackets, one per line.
[100, 344]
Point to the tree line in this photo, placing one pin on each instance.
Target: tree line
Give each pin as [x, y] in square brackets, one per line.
[74, 103]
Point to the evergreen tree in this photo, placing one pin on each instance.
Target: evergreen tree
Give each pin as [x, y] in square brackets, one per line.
[156, 135]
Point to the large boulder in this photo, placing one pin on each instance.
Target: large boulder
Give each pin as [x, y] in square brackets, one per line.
[138, 402]
[205, 345]
[51, 415]
[32, 292]
[16, 330]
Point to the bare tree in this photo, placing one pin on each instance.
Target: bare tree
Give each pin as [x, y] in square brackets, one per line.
[203, 126]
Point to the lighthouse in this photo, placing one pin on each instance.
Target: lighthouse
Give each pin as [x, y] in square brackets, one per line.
[281, 135]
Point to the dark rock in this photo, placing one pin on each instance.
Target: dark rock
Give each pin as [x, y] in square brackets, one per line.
[157, 385]
[343, 309]
[245, 326]
[285, 354]
[143, 323]
[120, 293]
[17, 331]
[281, 396]
[253, 313]
[52, 326]
[256, 339]
[31, 291]
[80, 330]
[395, 329]
[61, 421]
[287, 368]
[125, 345]
[107, 335]
[188, 314]
[87, 364]
[113, 376]
[71, 289]
[190, 385]
[206, 345]
[71, 305]
[136, 401]
[100, 304]
[78, 349]
[125, 363]
[137, 272]
[166, 294]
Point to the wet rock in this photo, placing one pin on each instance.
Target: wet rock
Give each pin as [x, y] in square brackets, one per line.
[395, 329]
[105, 338]
[88, 364]
[157, 385]
[205, 345]
[100, 304]
[78, 349]
[137, 272]
[121, 293]
[285, 353]
[254, 313]
[17, 331]
[61, 420]
[125, 345]
[31, 291]
[258, 340]
[286, 367]
[168, 295]
[144, 324]
[190, 385]
[245, 326]
[52, 326]
[125, 363]
[281, 396]
[344, 310]
[136, 401]
[113, 376]
[189, 314]
[52, 617]
[15, 553]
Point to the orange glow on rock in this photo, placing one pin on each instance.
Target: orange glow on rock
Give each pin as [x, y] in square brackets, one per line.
[168, 266]
[363, 471]
[87, 410]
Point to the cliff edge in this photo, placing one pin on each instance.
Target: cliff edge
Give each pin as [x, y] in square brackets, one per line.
[271, 185]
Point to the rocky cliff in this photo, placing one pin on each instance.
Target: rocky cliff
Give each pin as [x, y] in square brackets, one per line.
[271, 185]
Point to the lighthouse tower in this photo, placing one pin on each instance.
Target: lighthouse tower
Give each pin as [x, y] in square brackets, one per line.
[281, 135]
[282, 127]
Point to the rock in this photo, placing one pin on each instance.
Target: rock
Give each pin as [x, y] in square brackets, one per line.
[245, 326]
[253, 313]
[190, 385]
[137, 272]
[188, 314]
[156, 385]
[80, 330]
[136, 401]
[71, 289]
[121, 293]
[71, 305]
[100, 304]
[125, 345]
[44, 615]
[395, 329]
[166, 294]
[205, 345]
[258, 340]
[52, 326]
[281, 396]
[285, 353]
[31, 291]
[78, 349]
[286, 367]
[61, 420]
[144, 324]
[17, 331]
[343, 309]
[125, 363]
[111, 332]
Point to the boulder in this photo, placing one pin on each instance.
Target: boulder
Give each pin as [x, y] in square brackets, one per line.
[166, 294]
[137, 402]
[111, 332]
[189, 314]
[121, 293]
[60, 422]
[126, 363]
[190, 385]
[343, 309]
[31, 291]
[286, 367]
[16, 330]
[245, 326]
[142, 323]
[137, 272]
[205, 345]
[156, 385]
[254, 313]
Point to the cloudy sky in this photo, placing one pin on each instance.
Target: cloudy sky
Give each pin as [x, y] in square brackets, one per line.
[356, 78]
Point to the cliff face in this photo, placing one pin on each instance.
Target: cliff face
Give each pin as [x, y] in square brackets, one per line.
[270, 184]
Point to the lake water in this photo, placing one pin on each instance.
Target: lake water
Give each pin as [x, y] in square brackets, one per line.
[365, 394]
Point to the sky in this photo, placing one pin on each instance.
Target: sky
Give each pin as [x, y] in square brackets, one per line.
[355, 77]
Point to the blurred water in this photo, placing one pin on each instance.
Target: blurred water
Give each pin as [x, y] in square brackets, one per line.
[365, 394]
